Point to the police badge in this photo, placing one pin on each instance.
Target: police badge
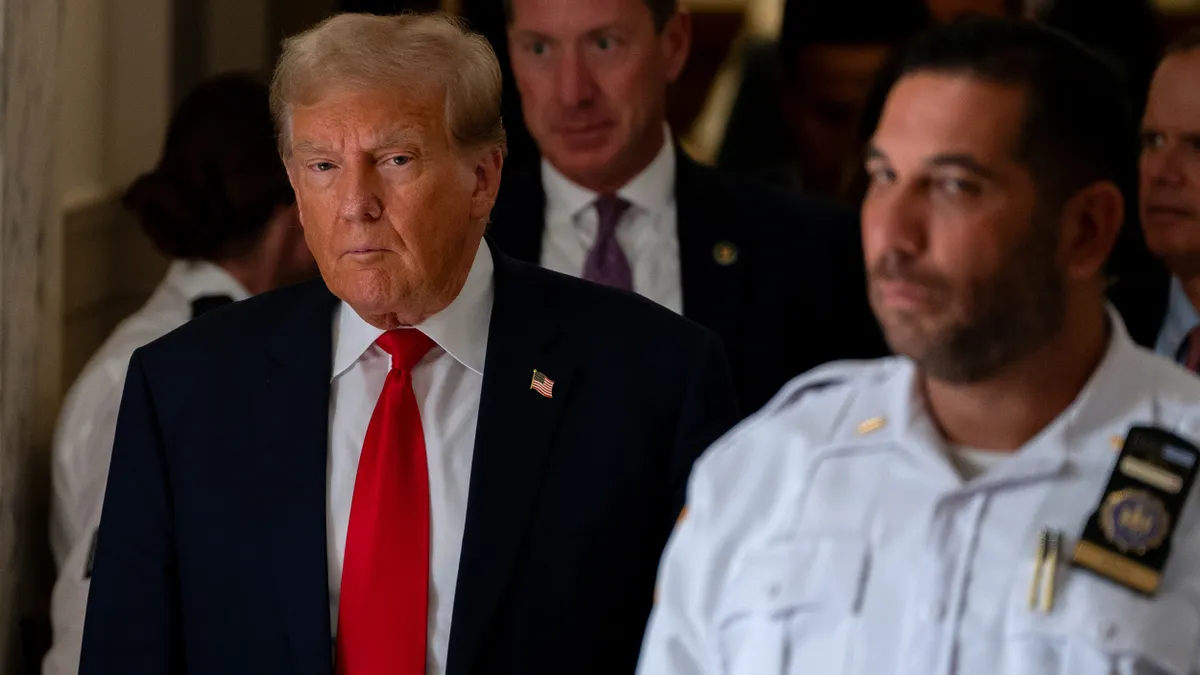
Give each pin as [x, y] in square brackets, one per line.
[1128, 537]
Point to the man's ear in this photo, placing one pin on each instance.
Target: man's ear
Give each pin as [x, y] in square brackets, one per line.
[676, 43]
[487, 183]
[1091, 221]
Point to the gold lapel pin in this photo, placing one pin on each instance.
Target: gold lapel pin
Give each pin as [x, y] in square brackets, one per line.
[725, 253]
[1116, 441]
[870, 426]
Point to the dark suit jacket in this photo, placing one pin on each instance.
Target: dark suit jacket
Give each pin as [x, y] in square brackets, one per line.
[211, 555]
[794, 298]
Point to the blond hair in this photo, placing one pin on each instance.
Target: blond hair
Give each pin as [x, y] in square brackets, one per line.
[411, 51]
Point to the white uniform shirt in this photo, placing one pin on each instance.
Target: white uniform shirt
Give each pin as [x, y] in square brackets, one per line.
[447, 383]
[83, 442]
[831, 534]
[646, 231]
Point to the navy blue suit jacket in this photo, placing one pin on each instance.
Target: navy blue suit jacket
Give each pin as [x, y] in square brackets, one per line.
[794, 296]
[211, 556]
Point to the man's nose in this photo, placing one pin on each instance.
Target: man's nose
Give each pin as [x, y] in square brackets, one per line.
[897, 221]
[576, 83]
[361, 200]
[1164, 167]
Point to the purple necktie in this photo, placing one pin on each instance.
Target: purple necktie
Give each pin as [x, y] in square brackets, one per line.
[606, 262]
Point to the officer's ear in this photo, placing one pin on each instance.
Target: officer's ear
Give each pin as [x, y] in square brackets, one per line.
[1091, 221]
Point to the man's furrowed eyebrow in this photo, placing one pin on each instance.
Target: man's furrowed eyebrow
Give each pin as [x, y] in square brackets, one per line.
[960, 160]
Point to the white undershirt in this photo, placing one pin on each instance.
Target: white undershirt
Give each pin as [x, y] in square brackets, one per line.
[972, 463]
[447, 384]
[647, 231]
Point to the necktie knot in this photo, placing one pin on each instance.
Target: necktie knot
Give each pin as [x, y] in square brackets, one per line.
[406, 346]
[609, 209]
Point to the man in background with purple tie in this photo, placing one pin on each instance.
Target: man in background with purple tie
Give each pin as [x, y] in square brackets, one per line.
[777, 276]
[1170, 194]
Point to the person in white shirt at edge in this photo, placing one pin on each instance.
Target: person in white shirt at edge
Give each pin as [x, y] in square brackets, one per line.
[884, 517]
[219, 204]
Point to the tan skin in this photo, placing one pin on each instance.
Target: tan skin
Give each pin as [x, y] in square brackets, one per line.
[392, 209]
[1170, 168]
[947, 192]
[593, 78]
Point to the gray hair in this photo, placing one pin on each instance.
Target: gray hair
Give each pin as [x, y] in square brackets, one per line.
[432, 51]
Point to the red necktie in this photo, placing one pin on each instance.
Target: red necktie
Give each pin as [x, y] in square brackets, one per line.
[383, 608]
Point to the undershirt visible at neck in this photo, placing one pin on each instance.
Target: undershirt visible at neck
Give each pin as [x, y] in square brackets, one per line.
[971, 462]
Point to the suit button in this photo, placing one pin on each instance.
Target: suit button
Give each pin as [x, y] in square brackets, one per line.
[1106, 630]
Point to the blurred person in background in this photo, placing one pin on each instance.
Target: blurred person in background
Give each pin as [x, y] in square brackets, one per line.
[615, 200]
[220, 206]
[796, 121]
[1170, 197]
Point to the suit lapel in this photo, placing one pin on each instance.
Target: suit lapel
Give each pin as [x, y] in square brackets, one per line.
[291, 417]
[713, 254]
[515, 433]
[519, 217]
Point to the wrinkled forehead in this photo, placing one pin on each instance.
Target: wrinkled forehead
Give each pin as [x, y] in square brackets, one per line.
[1174, 98]
[931, 113]
[370, 117]
[568, 19]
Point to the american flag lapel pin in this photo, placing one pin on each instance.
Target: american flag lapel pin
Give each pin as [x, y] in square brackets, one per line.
[542, 384]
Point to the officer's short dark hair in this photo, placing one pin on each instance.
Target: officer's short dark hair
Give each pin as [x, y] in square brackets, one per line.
[1078, 127]
[850, 23]
[662, 10]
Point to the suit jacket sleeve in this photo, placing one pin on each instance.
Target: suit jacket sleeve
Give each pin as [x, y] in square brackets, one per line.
[710, 409]
[133, 618]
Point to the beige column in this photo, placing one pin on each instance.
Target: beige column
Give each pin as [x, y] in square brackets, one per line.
[28, 46]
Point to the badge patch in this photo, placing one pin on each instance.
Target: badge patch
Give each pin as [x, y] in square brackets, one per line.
[1134, 520]
[1127, 539]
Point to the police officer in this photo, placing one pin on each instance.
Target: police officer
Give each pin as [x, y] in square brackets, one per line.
[219, 204]
[1012, 494]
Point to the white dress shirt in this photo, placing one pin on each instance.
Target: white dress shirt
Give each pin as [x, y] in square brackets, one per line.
[83, 440]
[447, 383]
[831, 533]
[647, 231]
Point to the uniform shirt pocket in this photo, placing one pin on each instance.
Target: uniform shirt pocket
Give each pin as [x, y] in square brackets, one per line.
[1097, 626]
[791, 607]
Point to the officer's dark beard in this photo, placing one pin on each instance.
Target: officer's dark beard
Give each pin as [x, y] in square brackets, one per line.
[1004, 318]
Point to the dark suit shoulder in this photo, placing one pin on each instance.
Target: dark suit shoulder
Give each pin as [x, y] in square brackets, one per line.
[242, 326]
[776, 210]
[598, 309]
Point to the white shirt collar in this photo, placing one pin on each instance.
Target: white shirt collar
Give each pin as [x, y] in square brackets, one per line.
[461, 329]
[651, 190]
[196, 278]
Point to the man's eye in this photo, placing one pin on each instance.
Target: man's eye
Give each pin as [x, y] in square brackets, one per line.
[604, 43]
[537, 48]
[1151, 140]
[400, 160]
[322, 167]
[957, 187]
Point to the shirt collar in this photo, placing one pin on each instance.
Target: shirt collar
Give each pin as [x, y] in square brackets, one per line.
[196, 278]
[461, 329]
[651, 190]
[1115, 393]
[1180, 319]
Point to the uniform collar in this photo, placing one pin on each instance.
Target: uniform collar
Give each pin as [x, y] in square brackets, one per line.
[461, 329]
[196, 278]
[652, 190]
[1180, 319]
[1087, 431]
